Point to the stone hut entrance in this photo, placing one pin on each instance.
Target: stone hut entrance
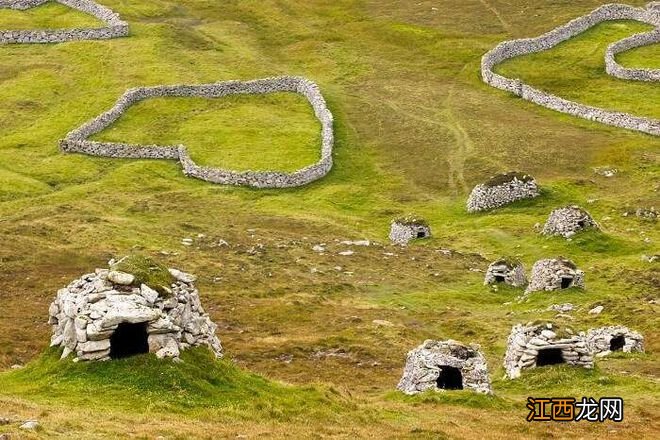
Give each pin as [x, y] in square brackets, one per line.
[549, 356]
[450, 378]
[566, 282]
[617, 343]
[129, 340]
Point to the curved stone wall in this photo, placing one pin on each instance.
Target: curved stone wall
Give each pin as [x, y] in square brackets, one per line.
[115, 26]
[514, 48]
[76, 141]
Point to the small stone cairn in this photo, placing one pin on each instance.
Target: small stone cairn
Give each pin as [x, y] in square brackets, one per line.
[501, 190]
[405, 229]
[99, 313]
[507, 271]
[605, 340]
[568, 221]
[555, 274]
[445, 365]
[529, 346]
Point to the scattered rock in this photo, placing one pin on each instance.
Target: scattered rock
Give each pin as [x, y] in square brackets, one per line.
[382, 323]
[561, 308]
[182, 276]
[30, 425]
[356, 243]
[318, 248]
[606, 171]
[596, 310]
[346, 253]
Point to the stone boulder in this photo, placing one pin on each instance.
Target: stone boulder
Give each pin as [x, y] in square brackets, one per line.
[506, 271]
[531, 346]
[568, 221]
[445, 365]
[112, 314]
[555, 274]
[501, 190]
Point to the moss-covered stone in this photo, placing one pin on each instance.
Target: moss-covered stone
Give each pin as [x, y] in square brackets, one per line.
[147, 271]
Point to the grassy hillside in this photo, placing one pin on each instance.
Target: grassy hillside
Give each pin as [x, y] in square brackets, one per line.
[416, 129]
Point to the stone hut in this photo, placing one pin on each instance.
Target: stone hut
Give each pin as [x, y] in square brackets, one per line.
[506, 271]
[605, 340]
[501, 190]
[555, 274]
[113, 313]
[408, 228]
[445, 365]
[531, 346]
[568, 221]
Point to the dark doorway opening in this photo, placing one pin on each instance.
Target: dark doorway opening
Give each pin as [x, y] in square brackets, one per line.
[617, 343]
[450, 378]
[421, 234]
[581, 223]
[566, 282]
[499, 278]
[549, 356]
[129, 340]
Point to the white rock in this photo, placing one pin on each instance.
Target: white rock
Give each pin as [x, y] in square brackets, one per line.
[148, 293]
[121, 278]
[182, 276]
[596, 310]
[30, 424]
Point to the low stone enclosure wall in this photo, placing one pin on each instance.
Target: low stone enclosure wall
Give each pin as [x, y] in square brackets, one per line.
[445, 365]
[77, 140]
[514, 48]
[115, 26]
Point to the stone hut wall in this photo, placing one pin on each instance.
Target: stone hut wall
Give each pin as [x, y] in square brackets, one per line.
[77, 140]
[115, 26]
[548, 274]
[513, 48]
[525, 342]
[512, 274]
[485, 197]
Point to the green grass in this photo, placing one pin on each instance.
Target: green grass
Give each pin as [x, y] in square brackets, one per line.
[47, 16]
[146, 271]
[416, 128]
[266, 132]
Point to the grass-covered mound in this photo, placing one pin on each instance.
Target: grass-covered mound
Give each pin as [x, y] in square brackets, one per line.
[144, 382]
[147, 271]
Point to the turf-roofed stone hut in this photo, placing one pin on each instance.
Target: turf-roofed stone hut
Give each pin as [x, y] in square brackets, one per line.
[506, 271]
[405, 229]
[568, 221]
[136, 306]
[605, 340]
[537, 345]
[445, 365]
[555, 274]
[501, 190]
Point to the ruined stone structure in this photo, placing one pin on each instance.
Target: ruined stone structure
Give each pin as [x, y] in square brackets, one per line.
[409, 228]
[605, 340]
[108, 315]
[445, 365]
[506, 271]
[114, 26]
[568, 221]
[77, 140]
[531, 346]
[555, 274]
[501, 190]
[513, 48]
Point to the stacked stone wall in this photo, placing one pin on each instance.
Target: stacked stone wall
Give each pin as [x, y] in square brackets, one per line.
[514, 48]
[77, 140]
[114, 26]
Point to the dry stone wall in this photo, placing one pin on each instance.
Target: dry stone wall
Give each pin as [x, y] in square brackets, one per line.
[604, 340]
[87, 313]
[514, 48]
[568, 221]
[526, 346]
[555, 274]
[491, 195]
[507, 272]
[77, 140]
[114, 26]
[426, 364]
